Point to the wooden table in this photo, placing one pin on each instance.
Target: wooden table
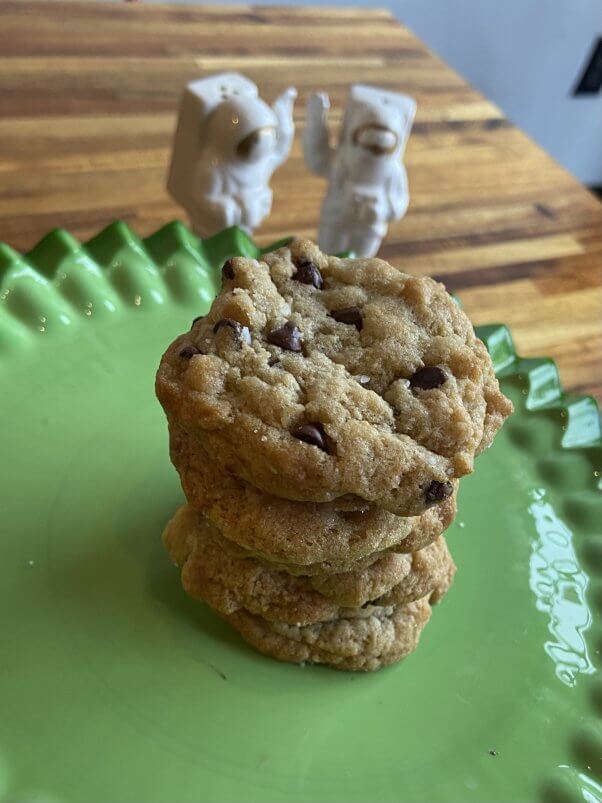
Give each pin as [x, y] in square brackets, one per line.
[88, 96]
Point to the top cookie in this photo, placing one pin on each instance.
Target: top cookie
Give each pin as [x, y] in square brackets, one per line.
[314, 377]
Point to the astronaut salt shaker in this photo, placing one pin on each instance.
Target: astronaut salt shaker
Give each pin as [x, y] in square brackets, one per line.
[367, 181]
[227, 144]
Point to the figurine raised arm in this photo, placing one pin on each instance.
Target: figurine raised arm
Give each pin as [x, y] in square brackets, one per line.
[317, 150]
[367, 181]
[227, 144]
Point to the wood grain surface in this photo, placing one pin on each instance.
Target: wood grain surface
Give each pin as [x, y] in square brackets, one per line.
[88, 97]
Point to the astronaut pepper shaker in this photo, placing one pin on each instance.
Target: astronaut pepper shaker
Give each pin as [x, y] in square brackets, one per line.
[227, 144]
[367, 182]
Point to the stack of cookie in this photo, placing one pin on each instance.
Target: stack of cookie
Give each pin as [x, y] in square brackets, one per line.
[320, 417]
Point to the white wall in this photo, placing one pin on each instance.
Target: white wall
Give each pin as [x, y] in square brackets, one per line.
[525, 55]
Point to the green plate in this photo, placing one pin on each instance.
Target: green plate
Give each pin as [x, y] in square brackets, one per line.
[114, 686]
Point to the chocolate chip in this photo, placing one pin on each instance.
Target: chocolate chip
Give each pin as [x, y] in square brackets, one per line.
[438, 491]
[349, 315]
[189, 351]
[240, 332]
[308, 273]
[312, 433]
[228, 269]
[428, 378]
[286, 337]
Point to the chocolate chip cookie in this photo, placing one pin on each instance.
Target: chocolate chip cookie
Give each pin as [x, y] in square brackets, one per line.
[317, 378]
[229, 580]
[382, 637]
[305, 538]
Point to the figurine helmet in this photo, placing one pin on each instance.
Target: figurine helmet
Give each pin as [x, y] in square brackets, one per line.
[242, 128]
[377, 120]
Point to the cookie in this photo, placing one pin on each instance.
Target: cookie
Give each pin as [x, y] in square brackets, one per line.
[429, 574]
[228, 581]
[316, 378]
[366, 643]
[223, 580]
[305, 538]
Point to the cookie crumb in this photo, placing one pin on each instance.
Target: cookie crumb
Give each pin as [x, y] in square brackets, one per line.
[493, 752]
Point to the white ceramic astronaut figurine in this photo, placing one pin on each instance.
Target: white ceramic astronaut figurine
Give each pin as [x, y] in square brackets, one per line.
[367, 182]
[227, 144]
